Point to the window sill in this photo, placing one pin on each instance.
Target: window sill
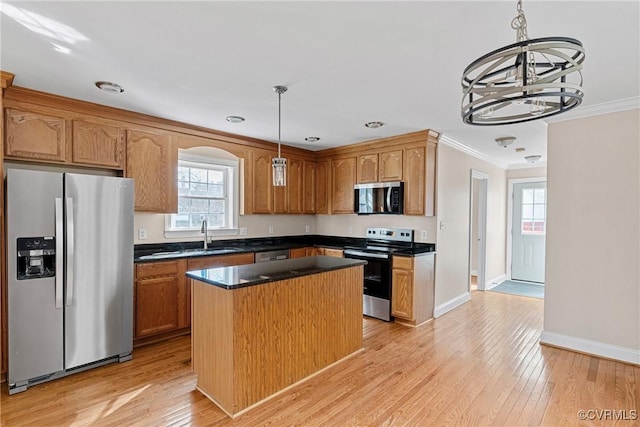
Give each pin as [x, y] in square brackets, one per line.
[177, 234]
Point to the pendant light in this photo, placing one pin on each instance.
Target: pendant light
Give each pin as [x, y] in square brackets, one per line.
[526, 80]
[279, 163]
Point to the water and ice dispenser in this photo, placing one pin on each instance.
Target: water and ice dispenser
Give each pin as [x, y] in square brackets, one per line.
[36, 257]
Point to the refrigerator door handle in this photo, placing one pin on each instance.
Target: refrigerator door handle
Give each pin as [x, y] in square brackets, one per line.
[70, 252]
[59, 252]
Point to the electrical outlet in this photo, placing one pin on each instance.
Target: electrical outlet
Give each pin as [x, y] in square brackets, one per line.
[307, 228]
[349, 230]
[271, 229]
[142, 233]
[423, 234]
[243, 231]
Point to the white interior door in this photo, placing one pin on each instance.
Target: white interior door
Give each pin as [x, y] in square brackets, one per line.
[528, 231]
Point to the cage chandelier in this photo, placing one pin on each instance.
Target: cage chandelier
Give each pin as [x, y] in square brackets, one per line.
[279, 163]
[526, 80]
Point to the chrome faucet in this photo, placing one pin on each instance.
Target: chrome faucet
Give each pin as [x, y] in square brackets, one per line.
[203, 229]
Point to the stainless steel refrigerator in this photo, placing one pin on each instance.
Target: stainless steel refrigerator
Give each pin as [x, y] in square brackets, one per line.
[70, 274]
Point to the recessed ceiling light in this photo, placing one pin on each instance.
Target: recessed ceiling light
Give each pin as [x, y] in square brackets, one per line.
[312, 139]
[505, 141]
[109, 87]
[532, 159]
[374, 125]
[235, 119]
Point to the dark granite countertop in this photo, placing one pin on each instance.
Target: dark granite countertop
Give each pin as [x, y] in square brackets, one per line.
[255, 274]
[167, 251]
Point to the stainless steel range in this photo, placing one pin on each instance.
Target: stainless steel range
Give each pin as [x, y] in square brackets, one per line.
[380, 244]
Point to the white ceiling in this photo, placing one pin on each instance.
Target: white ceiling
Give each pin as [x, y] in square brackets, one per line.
[345, 63]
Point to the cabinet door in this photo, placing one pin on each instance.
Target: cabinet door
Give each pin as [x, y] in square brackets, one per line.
[35, 136]
[367, 169]
[430, 177]
[156, 305]
[152, 162]
[337, 253]
[322, 187]
[314, 251]
[309, 187]
[262, 182]
[343, 176]
[390, 168]
[97, 145]
[402, 293]
[298, 253]
[414, 180]
[294, 186]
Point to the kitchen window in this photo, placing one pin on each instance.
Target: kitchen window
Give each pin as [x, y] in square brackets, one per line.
[207, 189]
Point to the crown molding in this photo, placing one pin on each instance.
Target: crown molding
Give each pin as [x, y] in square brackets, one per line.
[597, 109]
[446, 140]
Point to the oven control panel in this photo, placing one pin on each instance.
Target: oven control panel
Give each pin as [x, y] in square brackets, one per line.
[391, 234]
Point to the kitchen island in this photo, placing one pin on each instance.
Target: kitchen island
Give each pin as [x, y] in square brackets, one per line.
[260, 328]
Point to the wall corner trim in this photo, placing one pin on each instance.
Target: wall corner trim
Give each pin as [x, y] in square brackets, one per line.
[451, 304]
[595, 348]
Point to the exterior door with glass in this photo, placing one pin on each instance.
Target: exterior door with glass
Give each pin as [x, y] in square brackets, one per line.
[528, 231]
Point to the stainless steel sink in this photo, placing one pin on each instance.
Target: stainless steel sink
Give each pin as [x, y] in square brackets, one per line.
[191, 252]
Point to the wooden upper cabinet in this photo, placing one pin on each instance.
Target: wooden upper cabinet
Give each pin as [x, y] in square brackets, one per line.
[35, 136]
[367, 169]
[414, 180]
[262, 182]
[295, 182]
[430, 177]
[97, 145]
[152, 162]
[390, 166]
[343, 178]
[322, 187]
[309, 187]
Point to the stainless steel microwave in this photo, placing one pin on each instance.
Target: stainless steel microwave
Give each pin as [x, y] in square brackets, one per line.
[379, 198]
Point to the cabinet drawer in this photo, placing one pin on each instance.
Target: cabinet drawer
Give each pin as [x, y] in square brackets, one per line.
[220, 261]
[405, 263]
[155, 269]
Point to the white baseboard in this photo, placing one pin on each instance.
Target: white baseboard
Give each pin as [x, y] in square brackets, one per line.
[492, 283]
[623, 354]
[451, 304]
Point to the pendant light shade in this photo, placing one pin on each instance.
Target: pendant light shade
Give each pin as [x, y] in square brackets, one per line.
[279, 163]
[526, 80]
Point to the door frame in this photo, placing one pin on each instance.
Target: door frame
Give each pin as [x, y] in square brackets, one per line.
[482, 227]
[510, 216]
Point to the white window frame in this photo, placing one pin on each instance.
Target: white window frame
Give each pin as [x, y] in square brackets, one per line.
[233, 197]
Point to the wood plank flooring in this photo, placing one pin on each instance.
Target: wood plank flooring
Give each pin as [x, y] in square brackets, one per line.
[478, 365]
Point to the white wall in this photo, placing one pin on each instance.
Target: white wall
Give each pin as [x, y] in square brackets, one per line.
[339, 225]
[257, 226]
[474, 225]
[527, 173]
[592, 294]
[452, 245]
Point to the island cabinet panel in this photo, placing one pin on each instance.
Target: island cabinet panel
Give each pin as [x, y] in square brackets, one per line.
[390, 168]
[35, 136]
[343, 178]
[97, 145]
[367, 168]
[262, 187]
[309, 187]
[322, 187]
[152, 162]
[251, 342]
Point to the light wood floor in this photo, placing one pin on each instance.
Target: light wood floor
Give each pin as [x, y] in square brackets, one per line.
[478, 365]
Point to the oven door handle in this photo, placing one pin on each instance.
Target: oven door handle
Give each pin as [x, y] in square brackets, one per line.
[366, 254]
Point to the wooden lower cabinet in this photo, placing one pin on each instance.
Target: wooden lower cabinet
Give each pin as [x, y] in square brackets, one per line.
[315, 251]
[412, 288]
[338, 253]
[298, 252]
[163, 295]
[160, 298]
